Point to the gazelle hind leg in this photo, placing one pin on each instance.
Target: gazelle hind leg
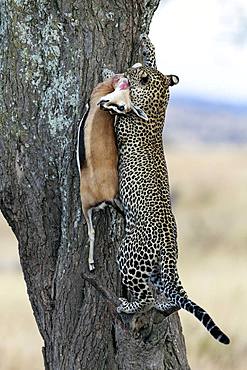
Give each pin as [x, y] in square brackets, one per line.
[91, 235]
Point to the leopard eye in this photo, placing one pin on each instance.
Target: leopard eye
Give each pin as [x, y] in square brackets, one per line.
[144, 80]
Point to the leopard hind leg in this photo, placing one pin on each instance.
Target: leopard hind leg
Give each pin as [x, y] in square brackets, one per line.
[141, 292]
[166, 305]
[162, 302]
[156, 279]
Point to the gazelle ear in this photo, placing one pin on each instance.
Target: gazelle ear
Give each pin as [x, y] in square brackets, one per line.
[173, 80]
[139, 112]
[107, 73]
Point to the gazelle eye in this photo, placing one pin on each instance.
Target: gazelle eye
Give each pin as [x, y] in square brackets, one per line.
[144, 80]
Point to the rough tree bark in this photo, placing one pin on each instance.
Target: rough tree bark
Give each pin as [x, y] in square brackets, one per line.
[52, 53]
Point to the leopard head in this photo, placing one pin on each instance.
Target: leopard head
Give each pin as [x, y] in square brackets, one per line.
[149, 90]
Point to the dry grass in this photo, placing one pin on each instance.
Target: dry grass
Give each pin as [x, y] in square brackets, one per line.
[209, 188]
[210, 206]
[20, 345]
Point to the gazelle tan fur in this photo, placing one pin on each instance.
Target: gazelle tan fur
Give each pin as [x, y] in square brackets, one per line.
[97, 152]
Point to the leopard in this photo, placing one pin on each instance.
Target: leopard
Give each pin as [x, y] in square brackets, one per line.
[147, 255]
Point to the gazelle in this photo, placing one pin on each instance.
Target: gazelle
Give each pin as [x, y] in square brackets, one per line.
[96, 150]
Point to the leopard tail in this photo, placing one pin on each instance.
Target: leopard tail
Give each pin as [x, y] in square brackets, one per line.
[202, 316]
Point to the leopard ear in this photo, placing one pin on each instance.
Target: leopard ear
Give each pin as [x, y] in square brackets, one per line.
[107, 73]
[173, 80]
[139, 112]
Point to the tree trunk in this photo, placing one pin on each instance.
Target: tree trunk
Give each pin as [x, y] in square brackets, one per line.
[52, 54]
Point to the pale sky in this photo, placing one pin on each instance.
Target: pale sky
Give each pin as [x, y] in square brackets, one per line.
[204, 42]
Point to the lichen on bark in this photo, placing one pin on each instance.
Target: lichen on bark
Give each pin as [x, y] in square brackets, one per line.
[52, 54]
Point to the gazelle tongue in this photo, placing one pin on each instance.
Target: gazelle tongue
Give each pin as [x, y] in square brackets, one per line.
[124, 84]
[116, 78]
[120, 82]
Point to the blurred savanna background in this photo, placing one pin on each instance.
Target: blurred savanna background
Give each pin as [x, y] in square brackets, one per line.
[205, 44]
